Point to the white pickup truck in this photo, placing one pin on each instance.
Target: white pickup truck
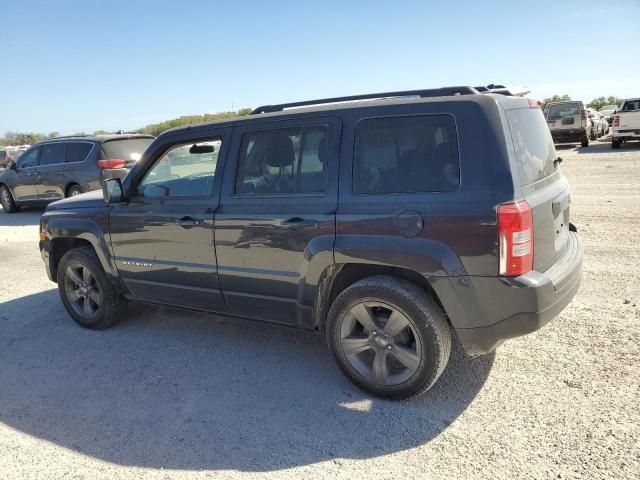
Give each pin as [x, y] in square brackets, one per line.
[626, 122]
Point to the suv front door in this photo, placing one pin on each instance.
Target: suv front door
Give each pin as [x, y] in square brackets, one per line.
[49, 179]
[162, 238]
[24, 179]
[275, 225]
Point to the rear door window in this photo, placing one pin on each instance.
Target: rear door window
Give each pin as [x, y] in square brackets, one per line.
[53, 154]
[535, 153]
[406, 155]
[78, 151]
[283, 161]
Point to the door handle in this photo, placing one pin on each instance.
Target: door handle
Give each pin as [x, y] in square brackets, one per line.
[188, 222]
[296, 223]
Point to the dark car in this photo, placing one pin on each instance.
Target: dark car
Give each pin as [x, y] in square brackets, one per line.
[67, 166]
[392, 223]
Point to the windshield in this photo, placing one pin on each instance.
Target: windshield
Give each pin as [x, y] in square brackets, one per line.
[128, 149]
[559, 110]
[535, 153]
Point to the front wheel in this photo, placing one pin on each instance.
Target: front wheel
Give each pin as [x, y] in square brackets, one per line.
[389, 337]
[86, 292]
[8, 203]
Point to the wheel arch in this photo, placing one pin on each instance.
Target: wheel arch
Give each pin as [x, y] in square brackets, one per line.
[338, 277]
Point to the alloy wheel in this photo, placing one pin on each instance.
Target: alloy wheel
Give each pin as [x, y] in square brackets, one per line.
[380, 343]
[82, 290]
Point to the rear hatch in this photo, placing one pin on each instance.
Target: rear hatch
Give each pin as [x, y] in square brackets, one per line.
[129, 149]
[565, 116]
[544, 187]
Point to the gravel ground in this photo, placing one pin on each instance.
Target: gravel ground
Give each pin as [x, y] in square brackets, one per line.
[168, 394]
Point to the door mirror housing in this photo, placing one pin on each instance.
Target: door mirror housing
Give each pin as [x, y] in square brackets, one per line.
[112, 190]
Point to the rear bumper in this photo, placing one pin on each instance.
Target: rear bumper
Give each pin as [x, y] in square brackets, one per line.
[568, 135]
[510, 307]
[626, 134]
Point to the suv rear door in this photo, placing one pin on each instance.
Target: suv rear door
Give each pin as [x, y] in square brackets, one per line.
[275, 225]
[543, 185]
[162, 238]
[565, 116]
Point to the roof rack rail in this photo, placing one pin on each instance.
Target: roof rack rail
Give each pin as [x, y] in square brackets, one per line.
[434, 92]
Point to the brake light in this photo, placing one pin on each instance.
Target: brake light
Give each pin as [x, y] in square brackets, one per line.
[616, 121]
[515, 238]
[583, 114]
[109, 164]
[534, 103]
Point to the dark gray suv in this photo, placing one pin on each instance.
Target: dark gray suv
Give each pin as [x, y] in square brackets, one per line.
[67, 166]
[390, 222]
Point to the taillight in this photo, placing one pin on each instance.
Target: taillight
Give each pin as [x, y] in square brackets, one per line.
[616, 121]
[109, 164]
[583, 114]
[515, 238]
[534, 103]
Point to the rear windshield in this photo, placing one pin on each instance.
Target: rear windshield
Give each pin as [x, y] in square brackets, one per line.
[129, 149]
[559, 110]
[535, 153]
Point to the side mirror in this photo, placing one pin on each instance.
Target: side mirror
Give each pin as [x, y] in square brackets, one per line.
[112, 190]
[12, 165]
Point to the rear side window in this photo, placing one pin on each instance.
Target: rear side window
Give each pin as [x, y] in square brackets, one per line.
[406, 155]
[535, 153]
[53, 153]
[283, 161]
[130, 149]
[559, 110]
[78, 151]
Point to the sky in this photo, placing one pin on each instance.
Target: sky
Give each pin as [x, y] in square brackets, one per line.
[78, 66]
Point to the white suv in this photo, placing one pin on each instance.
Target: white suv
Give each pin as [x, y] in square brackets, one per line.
[626, 122]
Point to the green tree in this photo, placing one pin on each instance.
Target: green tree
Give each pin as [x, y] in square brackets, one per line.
[600, 102]
[556, 98]
[158, 128]
[53, 134]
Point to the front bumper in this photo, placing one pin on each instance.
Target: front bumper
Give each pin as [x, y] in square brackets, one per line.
[522, 304]
[568, 135]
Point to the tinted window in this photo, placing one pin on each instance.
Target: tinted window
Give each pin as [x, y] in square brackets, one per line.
[78, 151]
[129, 149]
[184, 170]
[406, 154]
[559, 110]
[631, 106]
[284, 161]
[29, 158]
[533, 144]
[53, 153]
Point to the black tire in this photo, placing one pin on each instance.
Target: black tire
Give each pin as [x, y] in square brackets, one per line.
[427, 324]
[585, 141]
[9, 205]
[109, 307]
[74, 190]
[615, 143]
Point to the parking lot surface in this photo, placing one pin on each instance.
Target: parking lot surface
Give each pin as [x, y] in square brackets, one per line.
[169, 394]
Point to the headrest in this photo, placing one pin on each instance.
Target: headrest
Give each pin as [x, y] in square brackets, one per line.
[279, 152]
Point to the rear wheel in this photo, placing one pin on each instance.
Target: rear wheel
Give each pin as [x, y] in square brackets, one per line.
[74, 190]
[389, 337]
[86, 292]
[585, 141]
[6, 198]
[615, 143]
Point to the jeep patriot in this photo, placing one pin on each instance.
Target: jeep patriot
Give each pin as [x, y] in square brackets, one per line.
[390, 222]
